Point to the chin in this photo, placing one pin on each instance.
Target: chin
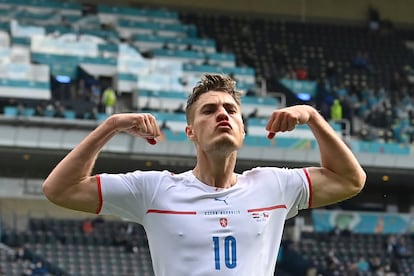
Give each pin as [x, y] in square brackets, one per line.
[225, 145]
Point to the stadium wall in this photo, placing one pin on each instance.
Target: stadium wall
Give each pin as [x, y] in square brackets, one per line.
[398, 11]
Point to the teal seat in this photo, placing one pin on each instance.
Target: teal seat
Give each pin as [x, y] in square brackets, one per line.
[10, 111]
[29, 111]
[70, 114]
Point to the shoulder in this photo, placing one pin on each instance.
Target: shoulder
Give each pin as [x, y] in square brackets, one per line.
[165, 177]
[265, 171]
[284, 175]
[138, 176]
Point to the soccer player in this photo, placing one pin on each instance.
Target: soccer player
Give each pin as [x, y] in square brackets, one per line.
[209, 220]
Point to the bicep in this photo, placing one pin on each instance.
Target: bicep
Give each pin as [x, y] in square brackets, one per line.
[83, 196]
[328, 187]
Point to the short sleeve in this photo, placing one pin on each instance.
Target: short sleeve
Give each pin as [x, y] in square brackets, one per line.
[291, 187]
[297, 190]
[128, 195]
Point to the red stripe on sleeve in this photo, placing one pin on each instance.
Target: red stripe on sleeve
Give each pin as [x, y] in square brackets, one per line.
[98, 181]
[310, 187]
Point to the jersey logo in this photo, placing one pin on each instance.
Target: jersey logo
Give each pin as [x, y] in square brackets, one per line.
[224, 199]
[260, 216]
[224, 222]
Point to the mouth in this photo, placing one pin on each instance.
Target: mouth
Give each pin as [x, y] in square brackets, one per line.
[224, 125]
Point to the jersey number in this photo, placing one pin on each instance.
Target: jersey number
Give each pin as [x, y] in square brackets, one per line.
[230, 258]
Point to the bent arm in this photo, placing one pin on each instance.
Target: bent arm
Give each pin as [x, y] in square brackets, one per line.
[340, 175]
[70, 183]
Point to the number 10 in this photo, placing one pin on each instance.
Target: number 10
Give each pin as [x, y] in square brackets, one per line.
[229, 252]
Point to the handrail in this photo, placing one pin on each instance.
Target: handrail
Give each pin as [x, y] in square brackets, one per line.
[281, 96]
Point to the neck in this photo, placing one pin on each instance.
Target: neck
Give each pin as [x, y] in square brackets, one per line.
[216, 173]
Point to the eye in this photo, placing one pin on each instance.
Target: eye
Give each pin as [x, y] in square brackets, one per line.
[231, 110]
[207, 111]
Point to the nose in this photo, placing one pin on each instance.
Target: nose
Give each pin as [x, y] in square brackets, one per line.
[222, 114]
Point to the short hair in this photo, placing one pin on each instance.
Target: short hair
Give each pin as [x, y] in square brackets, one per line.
[212, 82]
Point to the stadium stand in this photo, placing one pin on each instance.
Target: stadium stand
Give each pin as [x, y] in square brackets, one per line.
[57, 59]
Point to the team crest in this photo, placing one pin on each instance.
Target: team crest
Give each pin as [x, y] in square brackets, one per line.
[223, 222]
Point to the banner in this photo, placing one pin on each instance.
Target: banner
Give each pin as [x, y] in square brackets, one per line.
[362, 222]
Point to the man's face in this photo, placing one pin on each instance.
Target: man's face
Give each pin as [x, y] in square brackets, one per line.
[217, 122]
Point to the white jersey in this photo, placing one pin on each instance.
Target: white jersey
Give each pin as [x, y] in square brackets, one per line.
[196, 229]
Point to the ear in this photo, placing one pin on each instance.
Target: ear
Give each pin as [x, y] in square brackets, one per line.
[189, 132]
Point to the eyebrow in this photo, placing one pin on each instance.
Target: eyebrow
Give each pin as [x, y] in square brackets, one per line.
[226, 105]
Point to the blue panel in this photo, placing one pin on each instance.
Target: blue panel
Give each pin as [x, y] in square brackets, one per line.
[260, 100]
[128, 77]
[175, 136]
[299, 86]
[25, 83]
[10, 111]
[165, 116]
[221, 56]
[258, 141]
[69, 114]
[137, 12]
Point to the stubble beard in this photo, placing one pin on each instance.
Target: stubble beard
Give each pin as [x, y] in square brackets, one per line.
[224, 146]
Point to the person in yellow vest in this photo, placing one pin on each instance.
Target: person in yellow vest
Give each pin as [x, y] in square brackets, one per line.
[109, 100]
[336, 110]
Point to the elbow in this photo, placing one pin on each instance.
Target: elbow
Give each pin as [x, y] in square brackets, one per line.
[358, 181]
[49, 192]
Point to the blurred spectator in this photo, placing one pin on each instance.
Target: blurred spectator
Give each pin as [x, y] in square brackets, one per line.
[333, 263]
[375, 265]
[50, 109]
[301, 73]
[291, 261]
[81, 90]
[346, 232]
[123, 237]
[324, 97]
[362, 265]
[59, 110]
[409, 72]
[109, 99]
[393, 267]
[400, 248]
[331, 73]
[349, 104]
[367, 134]
[336, 110]
[87, 226]
[373, 19]
[92, 114]
[39, 269]
[21, 253]
[98, 221]
[290, 72]
[361, 61]
[39, 111]
[20, 108]
[95, 94]
[335, 231]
